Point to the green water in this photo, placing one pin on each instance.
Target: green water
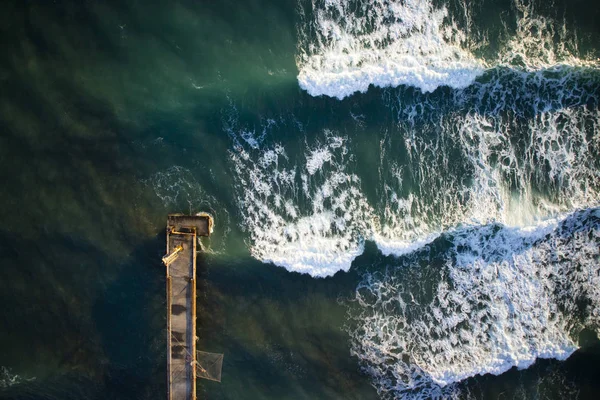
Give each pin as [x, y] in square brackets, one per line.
[96, 99]
[114, 114]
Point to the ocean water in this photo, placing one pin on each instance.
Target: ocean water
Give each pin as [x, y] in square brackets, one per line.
[406, 196]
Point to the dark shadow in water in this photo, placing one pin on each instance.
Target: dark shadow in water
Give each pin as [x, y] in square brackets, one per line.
[47, 332]
[106, 334]
[282, 333]
[130, 315]
[100, 321]
[301, 350]
[45, 282]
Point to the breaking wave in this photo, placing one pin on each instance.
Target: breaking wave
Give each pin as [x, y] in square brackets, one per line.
[346, 46]
[350, 45]
[514, 154]
[487, 195]
[319, 239]
[478, 300]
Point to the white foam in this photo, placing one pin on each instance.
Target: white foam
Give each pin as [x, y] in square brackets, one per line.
[398, 247]
[8, 379]
[320, 238]
[507, 298]
[519, 151]
[504, 298]
[506, 161]
[175, 186]
[325, 234]
[345, 48]
[540, 42]
[311, 215]
[382, 43]
[316, 159]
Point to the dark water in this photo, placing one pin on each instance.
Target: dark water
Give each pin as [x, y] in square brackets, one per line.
[473, 201]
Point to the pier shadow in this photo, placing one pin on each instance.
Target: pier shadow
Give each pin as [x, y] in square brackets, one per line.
[280, 332]
[49, 337]
[81, 324]
[130, 315]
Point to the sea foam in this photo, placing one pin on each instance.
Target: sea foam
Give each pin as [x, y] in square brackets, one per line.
[479, 164]
[517, 148]
[502, 298]
[495, 170]
[8, 379]
[346, 47]
[308, 218]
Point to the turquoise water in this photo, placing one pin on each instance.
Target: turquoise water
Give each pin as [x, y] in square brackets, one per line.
[405, 193]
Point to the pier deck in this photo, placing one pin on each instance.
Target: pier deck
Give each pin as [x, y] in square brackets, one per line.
[182, 231]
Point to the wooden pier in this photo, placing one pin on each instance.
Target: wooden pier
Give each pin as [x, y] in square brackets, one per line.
[182, 240]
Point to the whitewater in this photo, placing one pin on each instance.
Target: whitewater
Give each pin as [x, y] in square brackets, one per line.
[501, 178]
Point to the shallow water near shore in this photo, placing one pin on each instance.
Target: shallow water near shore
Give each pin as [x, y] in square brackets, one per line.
[406, 196]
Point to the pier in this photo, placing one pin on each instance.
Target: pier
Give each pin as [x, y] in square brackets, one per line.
[180, 262]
